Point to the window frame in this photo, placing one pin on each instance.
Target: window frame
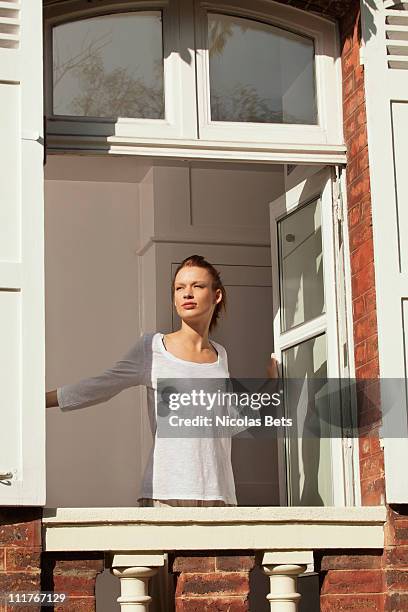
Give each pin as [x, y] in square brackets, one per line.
[175, 123]
[184, 133]
[324, 36]
[315, 182]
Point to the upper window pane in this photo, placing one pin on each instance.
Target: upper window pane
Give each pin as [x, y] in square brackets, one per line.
[301, 266]
[109, 66]
[260, 73]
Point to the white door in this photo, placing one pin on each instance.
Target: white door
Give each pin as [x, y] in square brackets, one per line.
[306, 333]
[22, 430]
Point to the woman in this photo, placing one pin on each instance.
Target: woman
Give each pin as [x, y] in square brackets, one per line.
[180, 471]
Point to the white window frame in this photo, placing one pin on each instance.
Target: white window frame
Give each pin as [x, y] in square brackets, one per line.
[317, 182]
[179, 119]
[186, 132]
[324, 36]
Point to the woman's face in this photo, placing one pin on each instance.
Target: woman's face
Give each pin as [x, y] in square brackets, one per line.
[194, 297]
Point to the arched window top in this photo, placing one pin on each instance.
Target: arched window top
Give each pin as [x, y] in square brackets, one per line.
[260, 73]
[109, 66]
[249, 72]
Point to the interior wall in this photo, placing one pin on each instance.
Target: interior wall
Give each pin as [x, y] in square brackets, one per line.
[92, 318]
[105, 284]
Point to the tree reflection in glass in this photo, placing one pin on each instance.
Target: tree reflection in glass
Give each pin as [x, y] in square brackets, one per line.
[259, 73]
[109, 66]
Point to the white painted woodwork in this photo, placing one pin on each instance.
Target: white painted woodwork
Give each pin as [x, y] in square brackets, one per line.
[186, 131]
[178, 528]
[134, 571]
[283, 570]
[22, 434]
[304, 185]
[384, 27]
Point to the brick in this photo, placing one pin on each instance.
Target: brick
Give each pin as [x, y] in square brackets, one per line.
[360, 187]
[361, 282]
[21, 534]
[369, 445]
[372, 467]
[234, 563]
[372, 492]
[366, 326]
[76, 604]
[217, 583]
[354, 215]
[190, 564]
[401, 532]
[225, 604]
[396, 579]
[360, 353]
[348, 86]
[23, 559]
[353, 581]
[359, 235]
[359, 308]
[396, 556]
[370, 300]
[358, 141]
[343, 603]
[359, 75]
[77, 584]
[19, 581]
[349, 61]
[396, 602]
[357, 561]
[355, 100]
[2, 559]
[79, 565]
[362, 256]
[372, 347]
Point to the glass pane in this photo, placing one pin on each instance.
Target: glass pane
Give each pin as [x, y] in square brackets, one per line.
[109, 66]
[301, 266]
[259, 72]
[309, 458]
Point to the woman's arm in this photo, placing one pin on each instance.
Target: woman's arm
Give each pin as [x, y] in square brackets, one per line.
[130, 371]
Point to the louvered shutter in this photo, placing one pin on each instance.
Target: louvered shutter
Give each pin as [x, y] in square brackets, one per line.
[22, 415]
[385, 57]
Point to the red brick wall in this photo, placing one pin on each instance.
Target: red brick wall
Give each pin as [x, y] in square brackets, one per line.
[219, 583]
[74, 574]
[20, 550]
[365, 582]
[361, 250]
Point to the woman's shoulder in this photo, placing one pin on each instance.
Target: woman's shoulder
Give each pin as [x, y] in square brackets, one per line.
[220, 348]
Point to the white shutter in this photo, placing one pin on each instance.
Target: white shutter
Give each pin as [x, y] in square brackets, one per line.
[385, 33]
[22, 426]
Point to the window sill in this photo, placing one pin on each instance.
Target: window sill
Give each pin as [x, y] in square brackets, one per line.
[255, 528]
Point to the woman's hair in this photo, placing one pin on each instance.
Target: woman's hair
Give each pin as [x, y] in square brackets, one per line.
[200, 262]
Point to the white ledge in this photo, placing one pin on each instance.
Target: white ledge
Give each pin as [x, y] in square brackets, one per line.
[199, 149]
[254, 528]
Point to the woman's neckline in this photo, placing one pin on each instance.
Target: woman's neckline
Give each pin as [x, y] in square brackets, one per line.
[197, 363]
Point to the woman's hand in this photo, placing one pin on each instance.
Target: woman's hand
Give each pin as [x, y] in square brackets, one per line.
[273, 367]
[51, 399]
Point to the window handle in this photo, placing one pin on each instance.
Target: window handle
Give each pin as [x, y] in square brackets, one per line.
[6, 475]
